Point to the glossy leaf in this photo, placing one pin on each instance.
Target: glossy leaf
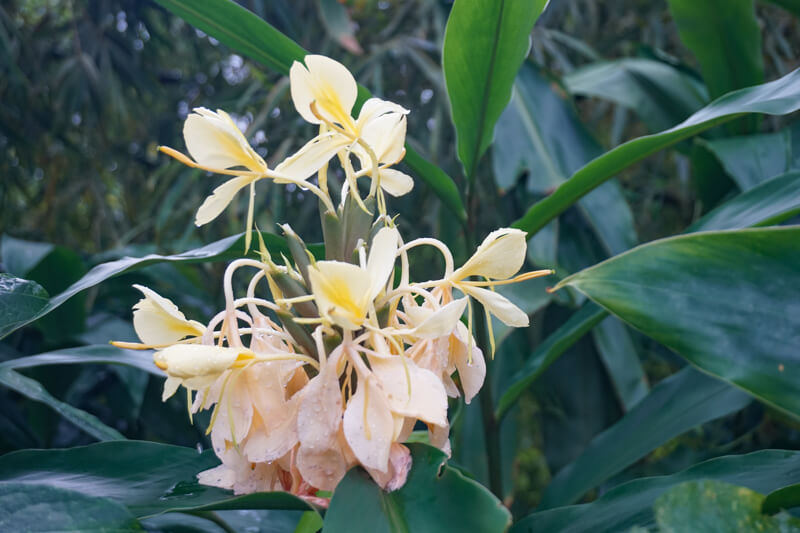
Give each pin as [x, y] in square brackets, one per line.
[484, 46]
[99, 353]
[21, 303]
[34, 390]
[770, 203]
[630, 504]
[147, 477]
[548, 351]
[778, 97]
[541, 133]
[725, 37]
[659, 93]
[729, 302]
[677, 404]
[247, 33]
[436, 497]
[784, 498]
[711, 506]
[619, 356]
[34, 509]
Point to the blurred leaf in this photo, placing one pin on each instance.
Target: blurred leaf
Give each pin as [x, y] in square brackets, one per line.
[484, 45]
[767, 204]
[541, 133]
[778, 97]
[245, 521]
[616, 349]
[45, 509]
[337, 23]
[34, 390]
[784, 498]
[659, 93]
[677, 404]
[436, 497]
[726, 301]
[20, 257]
[247, 33]
[752, 159]
[792, 6]
[630, 504]
[20, 299]
[548, 351]
[147, 477]
[100, 353]
[23, 307]
[725, 37]
[710, 506]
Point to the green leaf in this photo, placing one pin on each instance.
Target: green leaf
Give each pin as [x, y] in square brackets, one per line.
[540, 132]
[435, 497]
[784, 498]
[21, 303]
[778, 97]
[792, 6]
[659, 93]
[338, 25]
[619, 356]
[98, 353]
[725, 37]
[247, 33]
[19, 300]
[484, 45]
[630, 504]
[729, 302]
[677, 404]
[147, 477]
[710, 506]
[47, 509]
[34, 390]
[770, 203]
[548, 351]
[752, 159]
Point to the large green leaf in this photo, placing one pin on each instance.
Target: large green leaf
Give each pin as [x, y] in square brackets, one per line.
[630, 504]
[548, 351]
[674, 406]
[21, 302]
[783, 498]
[47, 509]
[147, 477]
[727, 301]
[34, 390]
[99, 353]
[436, 497]
[619, 356]
[725, 37]
[710, 506]
[770, 203]
[752, 159]
[247, 33]
[659, 93]
[484, 45]
[540, 133]
[778, 97]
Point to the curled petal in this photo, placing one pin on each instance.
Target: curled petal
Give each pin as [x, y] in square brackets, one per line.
[214, 140]
[158, 321]
[375, 107]
[311, 157]
[220, 198]
[395, 182]
[327, 84]
[386, 136]
[471, 370]
[382, 255]
[498, 305]
[442, 321]
[499, 256]
[410, 390]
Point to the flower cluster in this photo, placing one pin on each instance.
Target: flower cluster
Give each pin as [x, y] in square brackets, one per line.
[323, 365]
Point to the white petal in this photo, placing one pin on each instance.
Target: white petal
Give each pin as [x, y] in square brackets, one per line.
[196, 360]
[441, 322]
[375, 107]
[499, 256]
[311, 157]
[213, 140]
[472, 371]
[386, 135]
[368, 425]
[320, 412]
[170, 387]
[395, 182]
[220, 198]
[322, 469]
[301, 89]
[158, 321]
[328, 84]
[498, 305]
[382, 255]
[428, 399]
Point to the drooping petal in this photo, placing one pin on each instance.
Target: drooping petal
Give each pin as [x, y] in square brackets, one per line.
[397, 473]
[498, 305]
[395, 182]
[196, 360]
[320, 411]
[214, 140]
[326, 83]
[382, 255]
[439, 436]
[342, 292]
[386, 136]
[442, 321]
[322, 469]
[220, 198]
[311, 157]
[368, 425]
[427, 400]
[471, 370]
[170, 387]
[158, 321]
[499, 256]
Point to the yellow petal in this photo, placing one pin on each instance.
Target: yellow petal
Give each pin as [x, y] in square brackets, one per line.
[498, 305]
[158, 321]
[220, 198]
[342, 292]
[382, 255]
[428, 399]
[326, 83]
[311, 157]
[395, 182]
[214, 140]
[499, 256]
[368, 425]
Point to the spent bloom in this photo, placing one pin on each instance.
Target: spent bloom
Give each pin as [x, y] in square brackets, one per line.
[324, 364]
